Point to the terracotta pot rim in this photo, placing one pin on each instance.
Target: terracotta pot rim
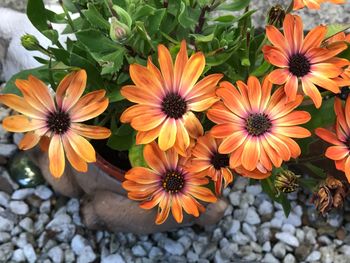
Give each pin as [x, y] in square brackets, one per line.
[109, 168]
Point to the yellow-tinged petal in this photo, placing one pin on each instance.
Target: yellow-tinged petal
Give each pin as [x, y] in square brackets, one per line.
[91, 132]
[82, 147]
[56, 156]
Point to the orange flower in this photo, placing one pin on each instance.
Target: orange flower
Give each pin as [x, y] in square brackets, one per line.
[255, 126]
[313, 4]
[167, 184]
[165, 99]
[207, 161]
[41, 118]
[303, 59]
[340, 151]
[255, 174]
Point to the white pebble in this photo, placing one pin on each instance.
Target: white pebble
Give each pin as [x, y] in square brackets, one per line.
[235, 198]
[265, 208]
[18, 255]
[43, 192]
[313, 256]
[252, 217]
[254, 189]
[288, 228]
[22, 194]
[19, 207]
[288, 239]
[4, 199]
[29, 253]
[115, 258]
[27, 224]
[56, 254]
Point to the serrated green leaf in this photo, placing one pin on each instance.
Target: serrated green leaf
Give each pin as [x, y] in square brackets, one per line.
[334, 29]
[95, 18]
[136, 156]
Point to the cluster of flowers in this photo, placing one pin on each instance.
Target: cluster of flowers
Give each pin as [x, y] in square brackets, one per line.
[254, 123]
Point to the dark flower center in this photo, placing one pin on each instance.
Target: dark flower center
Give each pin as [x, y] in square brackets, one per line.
[299, 65]
[58, 122]
[174, 106]
[219, 160]
[173, 181]
[257, 124]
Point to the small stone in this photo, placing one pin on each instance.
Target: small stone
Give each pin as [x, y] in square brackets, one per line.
[240, 183]
[62, 225]
[240, 239]
[29, 253]
[218, 258]
[310, 235]
[186, 241]
[314, 256]
[254, 189]
[256, 247]
[6, 224]
[217, 235]
[192, 256]
[73, 206]
[289, 258]
[252, 217]
[6, 251]
[155, 253]
[279, 250]
[249, 231]
[69, 256]
[324, 240]
[335, 219]
[88, 256]
[265, 208]
[6, 183]
[263, 234]
[173, 248]
[4, 237]
[247, 200]
[7, 150]
[138, 251]
[345, 249]
[19, 207]
[229, 250]
[302, 252]
[43, 192]
[293, 219]
[4, 199]
[327, 254]
[276, 223]
[287, 238]
[288, 228]
[235, 198]
[300, 234]
[234, 228]
[115, 258]
[56, 254]
[22, 194]
[267, 246]
[18, 255]
[269, 258]
[45, 207]
[27, 224]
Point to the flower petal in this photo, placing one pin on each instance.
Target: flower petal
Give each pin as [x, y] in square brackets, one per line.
[167, 134]
[20, 105]
[74, 91]
[180, 64]
[74, 159]
[56, 156]
[41, 92]
[191, 73]
[176, 209]
[166, 66]
[21, 123]
[91, 132]
[337, 152]
[193, 125]
[251, 154]
[82, 147]
[328, 136]
[29, 140]
[311, 90]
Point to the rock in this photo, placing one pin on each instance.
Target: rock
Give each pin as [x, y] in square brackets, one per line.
[276, 222]
[43, 192]
[335, 218]
[45, 207]
[240, 238]
[345, 249]
[172, 247]
[155, 253]
[263, 234]
[29, 253]
[249, 231]
[254, 189]
[235, 198]
[87, 257]
[300, 234]
[252, 217]
[4, 237]
[18, 255]
[279, 250]
[234, 228]
[314, 256]
[73, 206]
[62, 225]
[302, 252]
[247, 200]
[288, 228]
[27, 224]
[115, 258]
[327, 254]
[56, 254]
[310, 235]
[7, 150]
[229, 250]
[6, 183]
[19, 207]
[138, 251]
[192, 256]
[22, 194]
[81, 247]
[69, 256]
[288, 239]
[186, 242]
[265, 208]
[289, 258]
[269, 258]
[4, 199]
[293, 219]
[267, 246]
[6, 251]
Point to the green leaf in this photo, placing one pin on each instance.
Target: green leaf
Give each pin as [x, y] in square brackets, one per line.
[95, 18]
[36, 13]
[334, 29]
[136, 156]
[184, 18]
[144, 11]
[123, 15]
[202, 38]
[236, 5]
[40, 73]
[115, 96]
[322, 117]
[262, 69]
[225, 19]
[316, 170]
[122, 139]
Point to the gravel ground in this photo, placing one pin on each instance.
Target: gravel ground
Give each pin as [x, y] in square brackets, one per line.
[37, 225]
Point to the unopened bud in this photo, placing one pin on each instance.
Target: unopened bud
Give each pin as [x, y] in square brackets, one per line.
[118, 31]
[30, 42]
[286, 182]
[276, 16]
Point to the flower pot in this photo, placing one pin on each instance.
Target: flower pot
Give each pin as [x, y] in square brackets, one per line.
[105, 205]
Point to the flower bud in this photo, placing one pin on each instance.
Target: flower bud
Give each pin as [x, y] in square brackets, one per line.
[118, 31]
[30, 42]
[286, 182]
[276, 16]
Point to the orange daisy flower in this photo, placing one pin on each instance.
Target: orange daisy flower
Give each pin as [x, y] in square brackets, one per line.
[166, 98]
[340, 151]
[303, 59]
[167, 184]
[255, 126]
[313, 4]
[207, 161]
[41, 117]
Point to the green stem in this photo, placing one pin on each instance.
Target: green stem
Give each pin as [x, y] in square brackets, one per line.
[290, 7]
